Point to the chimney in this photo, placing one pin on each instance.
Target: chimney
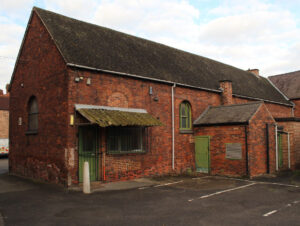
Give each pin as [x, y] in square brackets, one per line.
[254, 71]
[7, 89]
[226, 96]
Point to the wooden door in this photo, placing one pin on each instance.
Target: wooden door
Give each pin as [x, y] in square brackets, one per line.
[280, 153]
[202, 154]
[88, 151]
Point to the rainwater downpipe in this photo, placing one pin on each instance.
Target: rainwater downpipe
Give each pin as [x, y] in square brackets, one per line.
[276, 145]
[173, 129]
[289, 150]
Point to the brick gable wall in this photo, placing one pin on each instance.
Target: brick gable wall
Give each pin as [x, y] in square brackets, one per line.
[40, 72]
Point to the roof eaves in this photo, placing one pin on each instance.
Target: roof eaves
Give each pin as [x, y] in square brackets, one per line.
[142, 77]
[222, 124]
[260, 99]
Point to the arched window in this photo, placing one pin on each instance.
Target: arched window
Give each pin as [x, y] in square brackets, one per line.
[33, 113]
[185, 116]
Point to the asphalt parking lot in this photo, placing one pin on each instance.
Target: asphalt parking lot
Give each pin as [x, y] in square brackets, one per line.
[168, 201]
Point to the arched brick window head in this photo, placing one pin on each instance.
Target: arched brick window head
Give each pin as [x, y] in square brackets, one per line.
[33, 113]
[185, 116]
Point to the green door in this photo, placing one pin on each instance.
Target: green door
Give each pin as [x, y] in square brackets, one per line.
[202, 154]
[279, 147]
[88, 146]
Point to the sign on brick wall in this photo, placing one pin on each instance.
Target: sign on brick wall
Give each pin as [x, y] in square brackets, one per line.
[234, 151]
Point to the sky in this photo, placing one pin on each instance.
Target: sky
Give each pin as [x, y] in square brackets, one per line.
[261, 34]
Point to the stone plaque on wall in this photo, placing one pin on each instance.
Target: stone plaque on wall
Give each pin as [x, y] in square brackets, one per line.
[234, 151]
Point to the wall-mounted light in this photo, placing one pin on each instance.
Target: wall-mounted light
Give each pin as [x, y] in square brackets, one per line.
[88, 81]
[77, 79]
[150, 90]
[71, 120]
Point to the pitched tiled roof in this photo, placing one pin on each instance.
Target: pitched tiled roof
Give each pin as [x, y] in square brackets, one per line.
[229, 114]
[94, 46]
[288, 83]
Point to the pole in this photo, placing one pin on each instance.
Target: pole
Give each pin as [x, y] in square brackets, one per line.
[86, 179]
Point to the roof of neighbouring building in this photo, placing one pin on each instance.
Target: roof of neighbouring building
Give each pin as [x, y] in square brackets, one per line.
[288, 83]
[97, 47]
[229, 114]
[4, 103]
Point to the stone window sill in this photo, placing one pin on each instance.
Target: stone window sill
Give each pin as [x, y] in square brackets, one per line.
[186, 131]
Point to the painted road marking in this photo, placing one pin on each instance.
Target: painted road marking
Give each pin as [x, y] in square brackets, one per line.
[270, 213]
[284, 207]
[167, 184]
[260, 182]
[161, 185]
[221, 192]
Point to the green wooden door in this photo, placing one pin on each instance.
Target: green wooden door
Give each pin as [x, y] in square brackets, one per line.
[279, 146]
[88, 151]
[202, 154]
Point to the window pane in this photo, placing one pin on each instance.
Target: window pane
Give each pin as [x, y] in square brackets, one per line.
[183, 109]
[183, 122]
[129, 139]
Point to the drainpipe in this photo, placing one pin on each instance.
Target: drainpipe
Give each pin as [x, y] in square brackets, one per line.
[289, 150]
[276, 144]
[173, 129]
[246, 146]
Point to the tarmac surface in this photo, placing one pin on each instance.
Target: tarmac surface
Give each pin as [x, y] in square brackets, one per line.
[204, 200]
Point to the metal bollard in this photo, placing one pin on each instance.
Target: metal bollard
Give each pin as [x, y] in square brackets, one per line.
[86, 179]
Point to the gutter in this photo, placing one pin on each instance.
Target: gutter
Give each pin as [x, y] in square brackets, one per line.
[247, 157]
[143, 77]
[173, 128]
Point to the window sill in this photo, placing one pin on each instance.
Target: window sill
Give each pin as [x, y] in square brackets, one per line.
[186, 131]
[32, 132]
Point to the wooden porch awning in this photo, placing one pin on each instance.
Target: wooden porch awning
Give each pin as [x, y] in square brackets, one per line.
[112, 116]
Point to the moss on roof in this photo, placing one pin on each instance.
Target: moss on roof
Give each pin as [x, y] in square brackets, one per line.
[105, 118]
[288, 83]
[229, 114]
[102, 48]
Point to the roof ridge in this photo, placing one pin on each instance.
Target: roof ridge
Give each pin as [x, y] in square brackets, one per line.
[287, 74]
[135, 36]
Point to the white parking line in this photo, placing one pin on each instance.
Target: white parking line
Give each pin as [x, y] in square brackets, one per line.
[286, 206]
[260, 182]
[270, 213]
[221, 192]
[167, 184]
[197, 178]
[160, 185]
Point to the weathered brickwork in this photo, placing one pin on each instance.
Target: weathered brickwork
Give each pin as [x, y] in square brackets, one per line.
[4, 118]
[52, 153]
[40, 72]
[293, 128]
[297, 107]
[219, 136]
[257, 142]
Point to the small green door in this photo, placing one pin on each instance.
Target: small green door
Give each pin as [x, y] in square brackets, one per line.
[88, 146]
[202, 154]
[279, 147]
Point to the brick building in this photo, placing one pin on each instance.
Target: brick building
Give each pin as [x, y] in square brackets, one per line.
[4, 121]
[289, 85]
[81, 92]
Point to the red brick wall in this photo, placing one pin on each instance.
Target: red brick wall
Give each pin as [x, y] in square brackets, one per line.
[297, 107]
[108, 90]
[219, 136]
[40, 72]
[4, 119]
[276, 110]
[257, 142]
[293, 128]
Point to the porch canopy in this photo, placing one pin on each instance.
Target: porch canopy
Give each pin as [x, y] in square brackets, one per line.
[114, 116]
